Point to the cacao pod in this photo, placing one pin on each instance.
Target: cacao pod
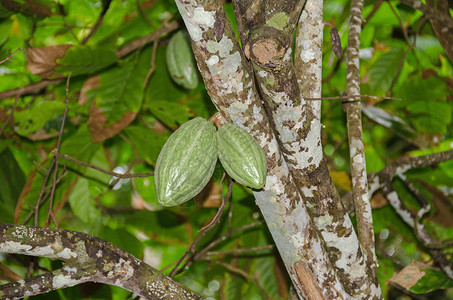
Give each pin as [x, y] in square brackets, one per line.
[241, 156]
[186, 162]
[181, 62]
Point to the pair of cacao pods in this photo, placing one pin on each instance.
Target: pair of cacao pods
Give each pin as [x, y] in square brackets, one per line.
[188, 158]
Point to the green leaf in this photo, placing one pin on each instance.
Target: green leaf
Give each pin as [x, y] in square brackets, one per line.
[171, 114]
[383, 16]
[232, 287]
[37, 116]
[431, 116]
[432, 280]
[425, 100]
[121, 89]
[124, 240]
[374, 162]
[390, 121]
[147, 142]
[265, 273]
[82, 204]
[85, 60]
[163, 226]
[79, 146]
[145, 187]
[163, 254]
[161, 86]
[384, 69]
[12, 180]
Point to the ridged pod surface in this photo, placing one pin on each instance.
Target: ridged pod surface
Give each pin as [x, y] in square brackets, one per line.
[181, 61]
[241, 156]
[186, 162]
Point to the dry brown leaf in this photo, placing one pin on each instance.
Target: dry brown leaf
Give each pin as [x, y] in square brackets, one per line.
[90, 84]
[378, 200]
[159, 127]
[409, 276]
[29, 7]
[41, 135]
[8, 275]
[97, 123]
[42, 61]
[209, 195]
[442, 205]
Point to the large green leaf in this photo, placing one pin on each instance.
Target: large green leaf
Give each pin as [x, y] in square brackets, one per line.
[170, 113]
[12, 180]
[266, 275]
[232, 287]
[392, 122]
[432, 280]
[384, 69]
[425, 99]
[85, 60]
[82, 204]
[124, 240]
[30, 120]
[147, 142]
[121, 89]
[163, 226]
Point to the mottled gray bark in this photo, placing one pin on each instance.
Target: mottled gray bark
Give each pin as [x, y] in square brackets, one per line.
[444, 33]
[323, 201]
[356, 148]
[85, 259]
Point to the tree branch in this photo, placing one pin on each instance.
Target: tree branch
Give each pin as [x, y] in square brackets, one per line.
[314, 179]
[443, 33]
[86, 259]
[430, 12]
[356, 148]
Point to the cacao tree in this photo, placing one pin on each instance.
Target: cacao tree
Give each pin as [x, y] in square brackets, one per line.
[92, 90]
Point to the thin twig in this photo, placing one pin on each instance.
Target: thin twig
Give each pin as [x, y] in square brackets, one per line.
[11, 56]
[237, 252]
[106, 5]
[10, 116]
[119, 175]
[403, 28]
[143, 15]
[205, 229]
[41, 193]
[230, 216]
[376, 7]
[213, 244]
[153, 63]
[353, 96]
[55, 153]
[216, 218]
[240, 272]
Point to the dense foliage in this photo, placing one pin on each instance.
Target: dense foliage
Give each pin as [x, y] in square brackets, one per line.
[123, 105]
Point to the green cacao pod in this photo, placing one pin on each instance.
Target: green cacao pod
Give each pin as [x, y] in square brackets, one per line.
[186, 162]
[241, 156]
[181, 61]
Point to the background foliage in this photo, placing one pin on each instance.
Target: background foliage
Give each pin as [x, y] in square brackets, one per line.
[122, 108]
